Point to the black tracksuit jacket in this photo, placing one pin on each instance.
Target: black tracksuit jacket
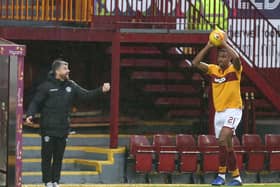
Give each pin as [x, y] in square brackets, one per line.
[54, 100]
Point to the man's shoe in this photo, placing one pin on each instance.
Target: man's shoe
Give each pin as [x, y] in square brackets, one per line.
[235, 183]
[218, 181]
[55, 184]
[49, 184]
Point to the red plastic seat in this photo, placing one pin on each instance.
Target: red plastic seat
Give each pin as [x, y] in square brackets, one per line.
[209, 147]
[166, 153]
[142, 151]
[239, 152]
[272, 142]
[254, 149]
[135, 142]
[188, 151]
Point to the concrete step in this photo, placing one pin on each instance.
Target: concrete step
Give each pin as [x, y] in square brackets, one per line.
[75, 177]
[77, 170]
[98, 140]
[70, 152]
[34, 164]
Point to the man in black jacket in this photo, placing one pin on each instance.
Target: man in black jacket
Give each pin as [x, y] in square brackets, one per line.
[54, 99]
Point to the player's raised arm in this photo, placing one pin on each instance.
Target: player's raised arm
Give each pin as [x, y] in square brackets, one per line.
[198, 58]
[234, 55]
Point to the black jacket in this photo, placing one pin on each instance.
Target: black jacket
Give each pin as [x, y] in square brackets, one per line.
[54, 100]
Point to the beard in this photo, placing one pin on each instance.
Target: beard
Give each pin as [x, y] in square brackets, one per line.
[65, 76]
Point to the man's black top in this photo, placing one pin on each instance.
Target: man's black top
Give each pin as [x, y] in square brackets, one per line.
[54, 99]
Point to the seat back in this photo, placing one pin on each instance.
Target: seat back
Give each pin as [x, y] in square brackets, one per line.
[207, 142]
[165, 148]
[252, 142]
[272, 142]
[162, 140]
[188, 153]
[135, 142]
[209, 147]
[185, 142]
[254, 148]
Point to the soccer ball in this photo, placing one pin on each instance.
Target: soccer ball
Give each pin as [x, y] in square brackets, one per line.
[216, 37]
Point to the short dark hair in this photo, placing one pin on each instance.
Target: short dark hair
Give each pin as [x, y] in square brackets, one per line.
[222, 49]
[57, 63]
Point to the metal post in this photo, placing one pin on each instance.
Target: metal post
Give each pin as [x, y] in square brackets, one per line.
[115, 79]
[254, 129]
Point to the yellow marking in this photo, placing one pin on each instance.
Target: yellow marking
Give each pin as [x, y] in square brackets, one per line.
[97, 163]
[100, 150]
[28, 135]
[38, 173]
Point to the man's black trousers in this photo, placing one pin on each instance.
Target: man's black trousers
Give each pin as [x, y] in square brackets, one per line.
[52, 155]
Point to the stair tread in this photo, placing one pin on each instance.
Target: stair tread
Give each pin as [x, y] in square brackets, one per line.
[170, 88]
[65, 160]
[157, 75]
[150, 63]
[184, 112]
[177, 101]
[39, 173]
[136, 50]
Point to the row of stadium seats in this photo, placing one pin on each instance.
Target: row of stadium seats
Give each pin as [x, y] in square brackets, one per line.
[183, 154]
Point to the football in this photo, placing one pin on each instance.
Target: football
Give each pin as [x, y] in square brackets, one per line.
[216, 37]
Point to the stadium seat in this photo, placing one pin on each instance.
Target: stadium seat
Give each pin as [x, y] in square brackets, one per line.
[166, 153]
[254, 150]
[188, 153]
[142, 151]
[272, 143]
[239, 152]
[209, 147]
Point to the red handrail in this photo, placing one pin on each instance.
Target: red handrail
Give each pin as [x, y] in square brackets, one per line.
[256, 39]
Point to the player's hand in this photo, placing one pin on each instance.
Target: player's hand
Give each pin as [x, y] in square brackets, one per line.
[106, 87]
[209, 44]
[29, 120]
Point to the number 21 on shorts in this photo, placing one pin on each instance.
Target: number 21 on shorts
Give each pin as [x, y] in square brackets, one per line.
[231, 120]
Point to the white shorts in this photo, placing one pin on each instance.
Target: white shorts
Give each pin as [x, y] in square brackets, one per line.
[229, 118]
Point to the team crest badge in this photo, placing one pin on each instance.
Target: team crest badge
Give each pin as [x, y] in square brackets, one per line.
[68, 89]
[46, 138]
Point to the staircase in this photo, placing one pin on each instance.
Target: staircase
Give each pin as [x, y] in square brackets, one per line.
[86, 160]
[158, 83]
[172, 89]
[155, 87]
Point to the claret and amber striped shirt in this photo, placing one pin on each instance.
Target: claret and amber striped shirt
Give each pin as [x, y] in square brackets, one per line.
[225, 87]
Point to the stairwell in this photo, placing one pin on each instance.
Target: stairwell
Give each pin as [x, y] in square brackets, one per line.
[154, 87]
[87, 160]
[259, 55]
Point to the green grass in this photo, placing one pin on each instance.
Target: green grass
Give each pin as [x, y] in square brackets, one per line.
[151, 185]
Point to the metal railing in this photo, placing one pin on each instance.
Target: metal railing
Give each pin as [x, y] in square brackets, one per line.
[254, 35]
[47, 10]
[248, 30]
